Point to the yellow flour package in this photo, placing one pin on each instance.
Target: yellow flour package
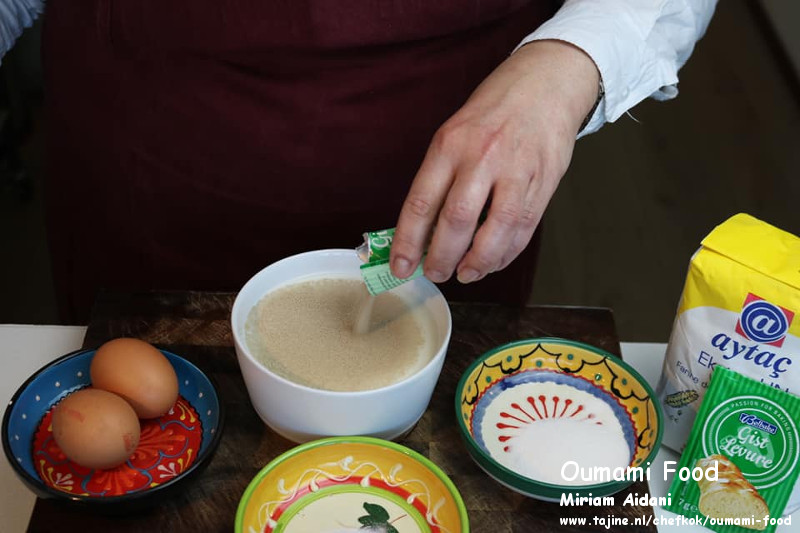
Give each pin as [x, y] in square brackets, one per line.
[739, 308]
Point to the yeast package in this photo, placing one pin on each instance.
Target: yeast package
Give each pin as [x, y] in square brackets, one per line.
[745, 440]
[739, 308]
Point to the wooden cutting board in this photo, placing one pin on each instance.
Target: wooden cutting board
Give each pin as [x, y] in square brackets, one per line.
[196, 326]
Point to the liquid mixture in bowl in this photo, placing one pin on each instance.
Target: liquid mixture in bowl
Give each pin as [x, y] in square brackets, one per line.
[329, 333]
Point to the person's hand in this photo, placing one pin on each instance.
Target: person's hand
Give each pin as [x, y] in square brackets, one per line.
[512, 142]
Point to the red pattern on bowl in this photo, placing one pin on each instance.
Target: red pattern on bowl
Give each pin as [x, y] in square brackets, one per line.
[168, 446]
[516, 417]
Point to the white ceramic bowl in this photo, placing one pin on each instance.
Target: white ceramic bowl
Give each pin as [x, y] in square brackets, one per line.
[302, 413]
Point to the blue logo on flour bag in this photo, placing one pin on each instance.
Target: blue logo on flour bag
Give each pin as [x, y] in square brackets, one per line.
[763, 322]
[765, 325]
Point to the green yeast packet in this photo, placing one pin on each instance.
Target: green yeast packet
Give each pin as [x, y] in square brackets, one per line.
[745, 442]
[375, 271]
[376, 245]
[379, 278]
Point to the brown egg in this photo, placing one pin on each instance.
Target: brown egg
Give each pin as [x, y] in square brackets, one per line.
[138, 372]
[95, 428]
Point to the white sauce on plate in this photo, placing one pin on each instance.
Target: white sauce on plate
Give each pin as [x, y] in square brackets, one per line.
[541, 449]
[535, 428]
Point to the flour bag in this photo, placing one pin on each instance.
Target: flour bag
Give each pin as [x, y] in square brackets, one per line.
[739, 309]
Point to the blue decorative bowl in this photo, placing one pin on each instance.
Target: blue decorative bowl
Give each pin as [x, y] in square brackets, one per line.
[172, 449]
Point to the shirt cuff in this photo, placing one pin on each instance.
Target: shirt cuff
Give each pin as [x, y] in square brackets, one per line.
[637, 47]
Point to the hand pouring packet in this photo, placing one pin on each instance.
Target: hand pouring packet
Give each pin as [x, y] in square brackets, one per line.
[739, 309]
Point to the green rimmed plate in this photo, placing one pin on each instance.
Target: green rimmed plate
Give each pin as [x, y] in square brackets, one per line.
[518, 384]
[344, 483]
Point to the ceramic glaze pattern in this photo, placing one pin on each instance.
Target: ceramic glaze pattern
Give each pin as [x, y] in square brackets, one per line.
[505, 391]
[531, 400]
[601, 373]
[167, 447]
[362, 473]
[333, 509]
[351, 484]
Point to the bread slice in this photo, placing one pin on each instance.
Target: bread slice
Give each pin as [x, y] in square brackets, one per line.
[731, 495]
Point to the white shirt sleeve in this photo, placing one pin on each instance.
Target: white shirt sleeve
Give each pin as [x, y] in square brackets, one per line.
[15, 16]
[637, 45]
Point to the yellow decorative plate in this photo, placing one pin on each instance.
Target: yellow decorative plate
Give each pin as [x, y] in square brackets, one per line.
[348, 483]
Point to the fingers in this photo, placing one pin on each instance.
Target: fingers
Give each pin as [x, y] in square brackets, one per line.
[456, 225]
[492, 242]
[520, 241]
[451, 200]
[420, 211]
[532, 211]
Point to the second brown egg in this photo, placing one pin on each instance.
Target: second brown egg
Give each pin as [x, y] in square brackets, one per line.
[137, 371]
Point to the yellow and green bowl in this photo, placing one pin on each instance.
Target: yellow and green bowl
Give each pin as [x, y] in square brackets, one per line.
[515, 383]
[347, 483]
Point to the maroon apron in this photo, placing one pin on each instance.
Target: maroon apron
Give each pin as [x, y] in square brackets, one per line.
[192, 143]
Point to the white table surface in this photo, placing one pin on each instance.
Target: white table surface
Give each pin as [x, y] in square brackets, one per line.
[24, 349]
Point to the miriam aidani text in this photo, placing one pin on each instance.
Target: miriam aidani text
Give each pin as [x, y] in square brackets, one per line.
[576, 500]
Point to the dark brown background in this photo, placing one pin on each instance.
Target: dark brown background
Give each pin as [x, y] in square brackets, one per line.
[631, 210]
